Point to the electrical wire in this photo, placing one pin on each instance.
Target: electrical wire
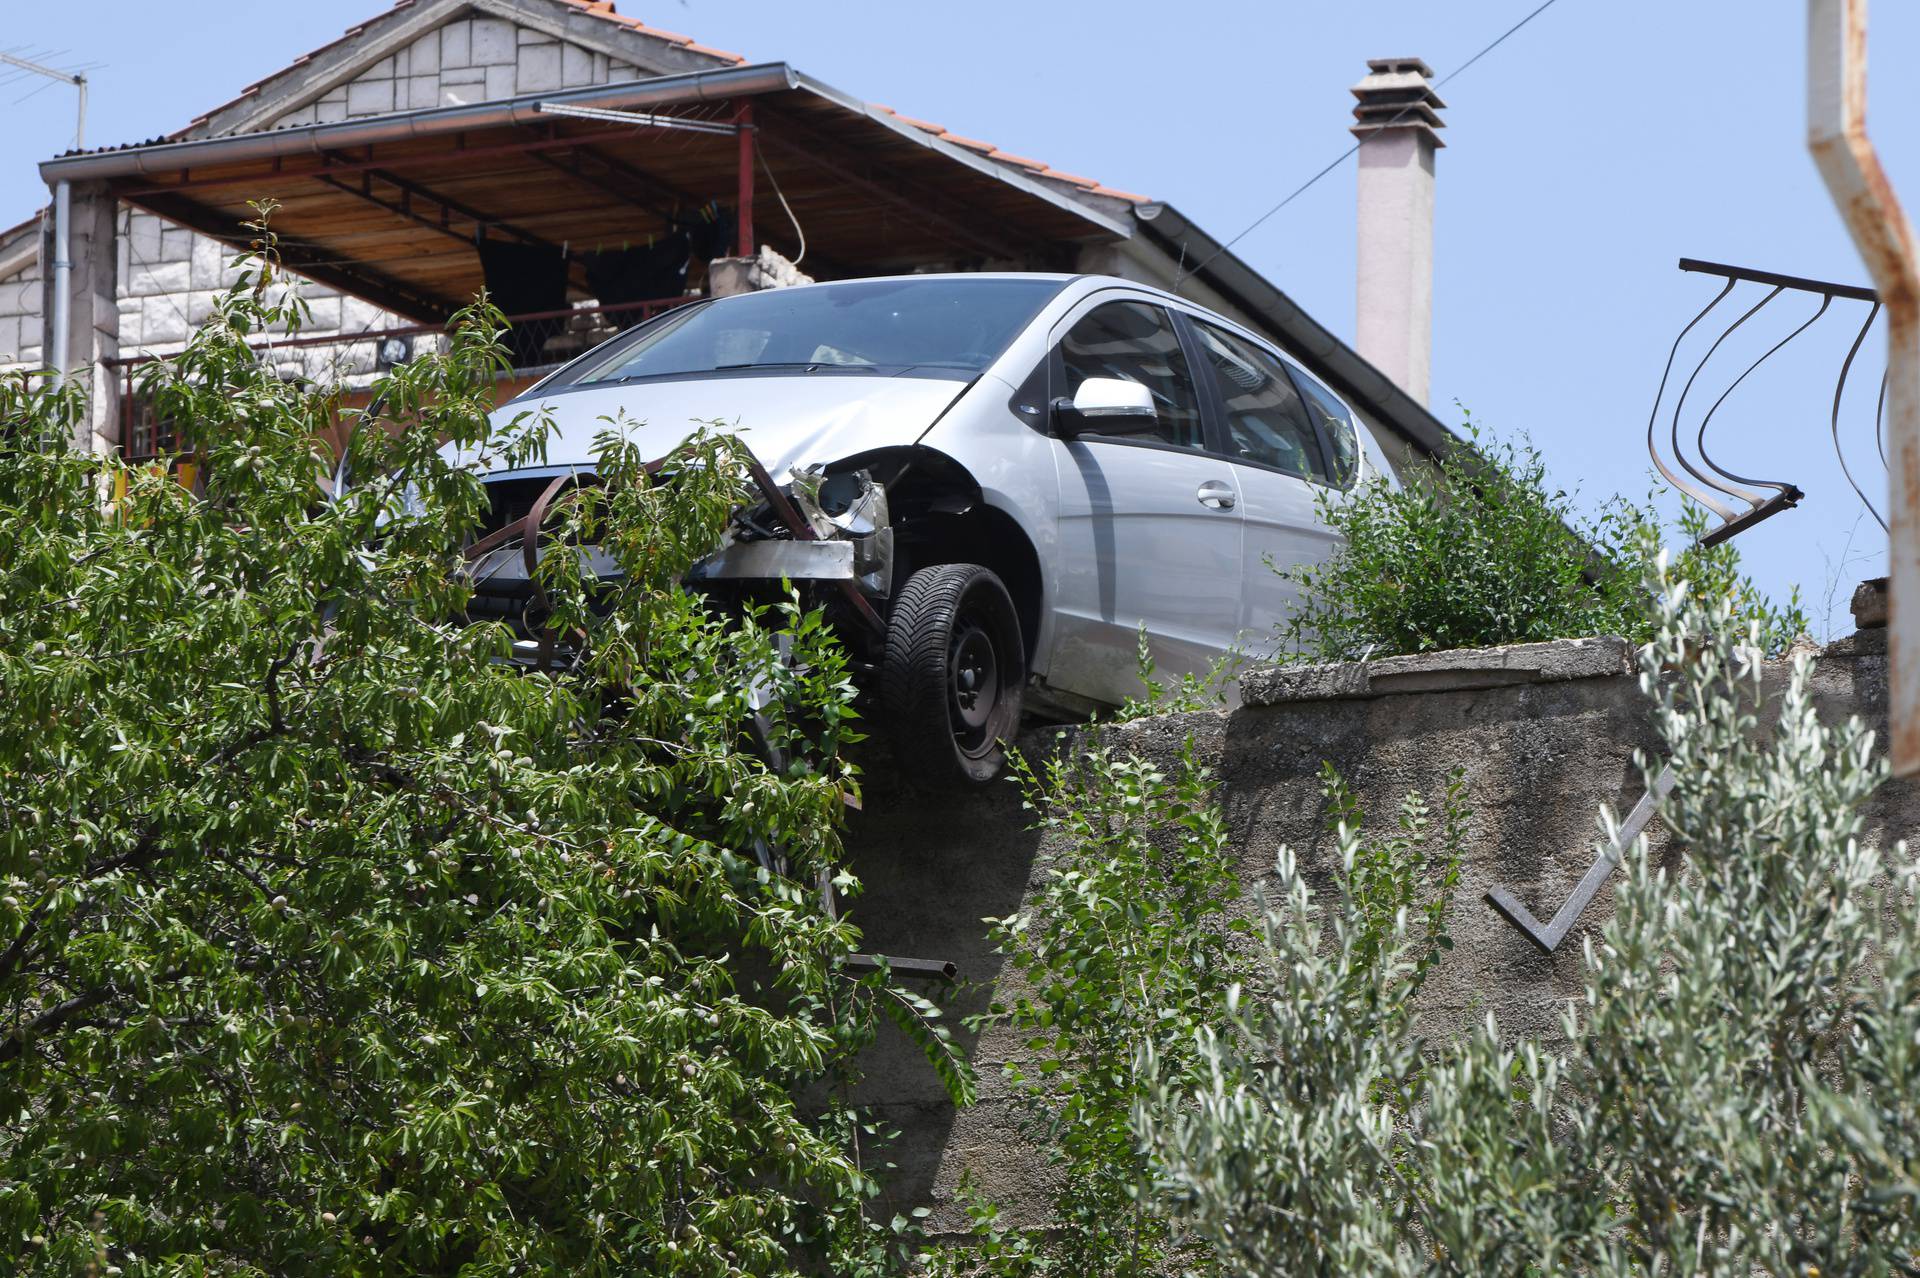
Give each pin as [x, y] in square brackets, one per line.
[1340, 159]
[761, 156]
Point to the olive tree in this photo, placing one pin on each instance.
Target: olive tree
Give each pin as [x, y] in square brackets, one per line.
[1738, 1091]
[332, 941]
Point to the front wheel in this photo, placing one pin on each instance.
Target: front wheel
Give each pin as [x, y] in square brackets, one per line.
[953, 673]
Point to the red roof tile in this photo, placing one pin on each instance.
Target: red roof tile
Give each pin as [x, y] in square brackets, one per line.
[1038, 168]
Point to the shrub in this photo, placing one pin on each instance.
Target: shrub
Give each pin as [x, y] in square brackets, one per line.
[1738, 1091]
[1479, 551]
[331, 942]
[1129, 949]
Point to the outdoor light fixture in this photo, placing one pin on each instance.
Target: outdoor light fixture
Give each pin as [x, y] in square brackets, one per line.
[393, 351]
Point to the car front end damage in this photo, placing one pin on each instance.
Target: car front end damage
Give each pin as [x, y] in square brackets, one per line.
[930, 590]
[829, 532]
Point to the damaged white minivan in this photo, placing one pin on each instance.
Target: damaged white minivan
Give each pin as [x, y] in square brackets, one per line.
[993, 482]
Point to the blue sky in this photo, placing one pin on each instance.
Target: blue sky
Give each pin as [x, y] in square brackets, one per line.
[1585, 156]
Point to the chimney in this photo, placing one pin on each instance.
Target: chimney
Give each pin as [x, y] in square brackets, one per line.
[1395, 120]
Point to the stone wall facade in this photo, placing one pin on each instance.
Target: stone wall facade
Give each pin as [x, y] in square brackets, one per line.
[169, 277]
[21, 294]
[1545, 735]
[477, 59]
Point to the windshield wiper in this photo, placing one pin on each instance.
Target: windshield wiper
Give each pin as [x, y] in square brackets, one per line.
[809, 365]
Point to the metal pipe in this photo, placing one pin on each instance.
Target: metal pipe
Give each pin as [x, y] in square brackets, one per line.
[1801, 282]
[62, 306]
[743, 121]
[1837, 137]
[432, 122]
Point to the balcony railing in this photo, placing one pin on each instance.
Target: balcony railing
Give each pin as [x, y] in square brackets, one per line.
[536, 344]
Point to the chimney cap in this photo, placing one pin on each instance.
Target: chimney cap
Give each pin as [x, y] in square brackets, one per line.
[1397, 93]
[1415, 65]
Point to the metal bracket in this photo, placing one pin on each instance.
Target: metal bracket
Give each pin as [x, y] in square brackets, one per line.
[1548, 938]
[927, 969]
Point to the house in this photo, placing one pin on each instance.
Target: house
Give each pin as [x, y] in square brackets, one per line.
[588, 169]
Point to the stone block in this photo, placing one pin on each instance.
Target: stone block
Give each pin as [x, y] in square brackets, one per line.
[459, 76]
[456, 45]
[143, 237]
[539, 68]
[369, 97]
[493, 42]
[294, 119]
[9, 336]
[621, 72]
[176, 244]
[201, 303]
[210, 258]
[1869, 605]
[357, 316]
[324, 315]
[331, 109]
[423, 55]
[500, 82]
[162, 320]
[422, 91]
[155, 278]
[576, 66]
[132, 331]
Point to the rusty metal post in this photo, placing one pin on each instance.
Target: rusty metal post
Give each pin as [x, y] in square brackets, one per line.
[1837, 136]
[743, 118]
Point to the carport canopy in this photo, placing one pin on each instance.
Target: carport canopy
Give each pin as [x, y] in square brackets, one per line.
[392, 208]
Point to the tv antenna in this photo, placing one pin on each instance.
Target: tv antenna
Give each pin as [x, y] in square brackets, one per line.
[77, 79]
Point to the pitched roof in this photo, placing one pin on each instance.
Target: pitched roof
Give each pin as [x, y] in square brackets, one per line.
[234, 115]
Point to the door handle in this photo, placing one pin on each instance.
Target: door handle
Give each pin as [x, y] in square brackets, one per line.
[1215, 495]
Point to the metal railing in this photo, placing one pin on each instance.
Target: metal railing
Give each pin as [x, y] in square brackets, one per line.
[536, 343]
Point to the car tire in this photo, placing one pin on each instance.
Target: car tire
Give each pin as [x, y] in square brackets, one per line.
[953, 674]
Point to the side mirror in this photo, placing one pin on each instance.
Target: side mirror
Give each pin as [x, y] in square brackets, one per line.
[1106, 406]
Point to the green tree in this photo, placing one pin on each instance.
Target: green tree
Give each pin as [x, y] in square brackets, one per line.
[1479, 550]
[331, 942]
[1738, 1091]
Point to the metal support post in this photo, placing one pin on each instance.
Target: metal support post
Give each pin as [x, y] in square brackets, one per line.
[1837, 136]
[62, 309]
[743, 119]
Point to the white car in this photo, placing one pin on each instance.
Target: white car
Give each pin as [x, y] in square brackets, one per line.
[995, 482]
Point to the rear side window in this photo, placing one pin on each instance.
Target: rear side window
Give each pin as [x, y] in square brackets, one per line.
[1266, 419]
[1135, 342]
[1337, 424]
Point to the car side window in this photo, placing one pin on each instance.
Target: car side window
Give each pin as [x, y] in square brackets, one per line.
[1266, 419]
[1136, 342]
[1337, 424]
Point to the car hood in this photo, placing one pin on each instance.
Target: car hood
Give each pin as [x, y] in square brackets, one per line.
[786, 421]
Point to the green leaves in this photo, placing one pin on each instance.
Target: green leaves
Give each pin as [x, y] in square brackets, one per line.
[1734, 1093]
[330, 942]
[1479, 551]
[1126, 949]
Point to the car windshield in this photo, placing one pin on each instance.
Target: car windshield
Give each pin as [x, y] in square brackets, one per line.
[949, 326]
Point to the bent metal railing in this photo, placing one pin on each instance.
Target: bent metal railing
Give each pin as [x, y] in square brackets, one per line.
[1737, 501]
[536, 343]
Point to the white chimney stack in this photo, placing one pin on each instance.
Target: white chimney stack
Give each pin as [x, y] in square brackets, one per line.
[1396, 118]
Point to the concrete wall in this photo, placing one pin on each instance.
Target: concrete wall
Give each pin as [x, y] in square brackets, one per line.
[1545, 734]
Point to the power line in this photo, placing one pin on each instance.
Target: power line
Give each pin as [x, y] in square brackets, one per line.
[1338, 160]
